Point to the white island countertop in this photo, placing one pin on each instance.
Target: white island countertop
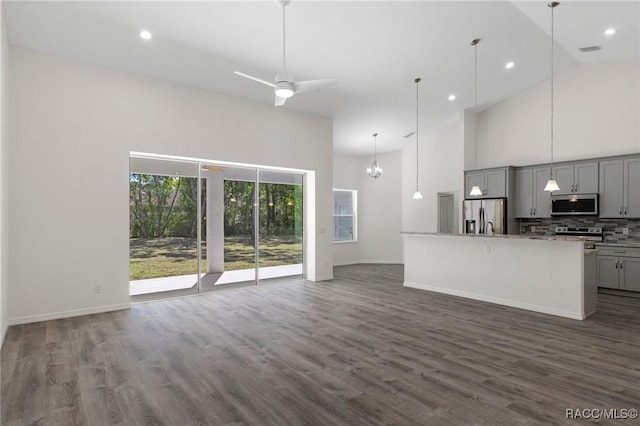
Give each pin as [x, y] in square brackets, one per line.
[508, 236]
[552, 275]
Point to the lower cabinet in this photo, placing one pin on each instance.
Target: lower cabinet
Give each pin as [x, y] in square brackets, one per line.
[619, 268]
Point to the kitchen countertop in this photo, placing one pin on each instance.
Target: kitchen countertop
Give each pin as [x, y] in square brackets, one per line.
[630, 244]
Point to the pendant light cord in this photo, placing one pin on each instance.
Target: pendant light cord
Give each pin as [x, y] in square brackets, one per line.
[375, 148]
[553, 6]
[474, 43]
[417, 129]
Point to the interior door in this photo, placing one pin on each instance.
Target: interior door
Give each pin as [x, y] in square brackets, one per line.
[445, 213]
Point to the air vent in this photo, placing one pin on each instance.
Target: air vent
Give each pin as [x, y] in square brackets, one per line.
[590, 49]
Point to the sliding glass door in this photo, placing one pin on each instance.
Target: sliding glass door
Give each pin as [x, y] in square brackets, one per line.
[280, 225]
[197, 226]
[163, 226]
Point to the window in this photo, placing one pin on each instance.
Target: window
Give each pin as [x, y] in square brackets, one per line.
[344, 215]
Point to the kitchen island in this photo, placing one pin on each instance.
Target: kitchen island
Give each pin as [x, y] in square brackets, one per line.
[551, 275]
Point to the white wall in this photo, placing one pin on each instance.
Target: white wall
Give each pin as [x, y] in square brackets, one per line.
[442, 158]
[4, 178]
[596, 115]
[379, 209]
[73, 125]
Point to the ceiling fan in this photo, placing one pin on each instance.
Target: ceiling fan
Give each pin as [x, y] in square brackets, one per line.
[285, 86]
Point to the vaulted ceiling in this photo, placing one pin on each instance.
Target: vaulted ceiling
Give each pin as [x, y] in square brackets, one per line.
[374, 48]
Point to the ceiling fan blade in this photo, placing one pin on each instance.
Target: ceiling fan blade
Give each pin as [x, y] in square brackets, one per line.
[280, 101]
[306, 86]
[250, 77]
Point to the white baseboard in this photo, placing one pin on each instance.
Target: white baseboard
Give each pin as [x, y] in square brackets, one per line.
[346, 263]
[357, 262]
[67, 314]
[498, 301]
[318, 278]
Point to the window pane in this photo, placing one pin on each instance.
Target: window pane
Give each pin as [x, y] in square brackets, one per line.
[342, 203]
[343, 228]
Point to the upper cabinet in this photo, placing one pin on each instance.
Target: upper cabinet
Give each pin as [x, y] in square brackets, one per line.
[493, 183]
[577, 178]
[531, 198]
[620, 188]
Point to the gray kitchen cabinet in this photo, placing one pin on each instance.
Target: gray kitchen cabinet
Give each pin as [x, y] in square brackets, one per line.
[608, 274]
[632, 187]
[630, 273]
[619, 268]
[473, 179]
[577, 178]
[531, 199]
[492, 182]
[620, 188]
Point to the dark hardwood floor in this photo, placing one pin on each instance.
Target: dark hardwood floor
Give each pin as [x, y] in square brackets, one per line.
[360, 349]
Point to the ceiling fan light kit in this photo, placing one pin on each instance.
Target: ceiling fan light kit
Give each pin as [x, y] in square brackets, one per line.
[284, 89]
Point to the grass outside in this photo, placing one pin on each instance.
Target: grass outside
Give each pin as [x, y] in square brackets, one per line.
[166, 257]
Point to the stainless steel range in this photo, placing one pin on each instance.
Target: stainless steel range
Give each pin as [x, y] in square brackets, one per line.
[590, 235]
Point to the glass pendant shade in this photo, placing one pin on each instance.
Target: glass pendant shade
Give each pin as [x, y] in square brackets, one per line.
[417, 195]
[552, 186]
[475, 190]
[375, 171]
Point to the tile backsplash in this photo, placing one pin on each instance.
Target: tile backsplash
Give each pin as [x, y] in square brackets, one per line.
[613, 228]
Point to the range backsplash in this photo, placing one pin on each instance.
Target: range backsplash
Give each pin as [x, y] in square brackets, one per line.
[612, 228]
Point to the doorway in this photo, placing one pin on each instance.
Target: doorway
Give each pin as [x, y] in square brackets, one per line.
[198, 226]
[446, 213]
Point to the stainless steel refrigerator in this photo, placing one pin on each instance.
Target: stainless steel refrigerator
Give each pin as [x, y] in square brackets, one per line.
[488, 216]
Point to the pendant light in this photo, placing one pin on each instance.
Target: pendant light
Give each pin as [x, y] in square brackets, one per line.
[417, 195]
[375, 171]
[552, 185]
[475, 189]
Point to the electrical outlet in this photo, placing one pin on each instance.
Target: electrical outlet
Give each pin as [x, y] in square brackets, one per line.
[487, 249]
[97, 289]
[625, 231]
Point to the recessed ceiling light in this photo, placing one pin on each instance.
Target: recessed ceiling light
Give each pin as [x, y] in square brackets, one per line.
[145, 35]
[509, 65]
[452, 97]
[610, 31]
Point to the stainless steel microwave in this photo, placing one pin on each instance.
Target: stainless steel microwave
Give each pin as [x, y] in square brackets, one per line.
[574, 205]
